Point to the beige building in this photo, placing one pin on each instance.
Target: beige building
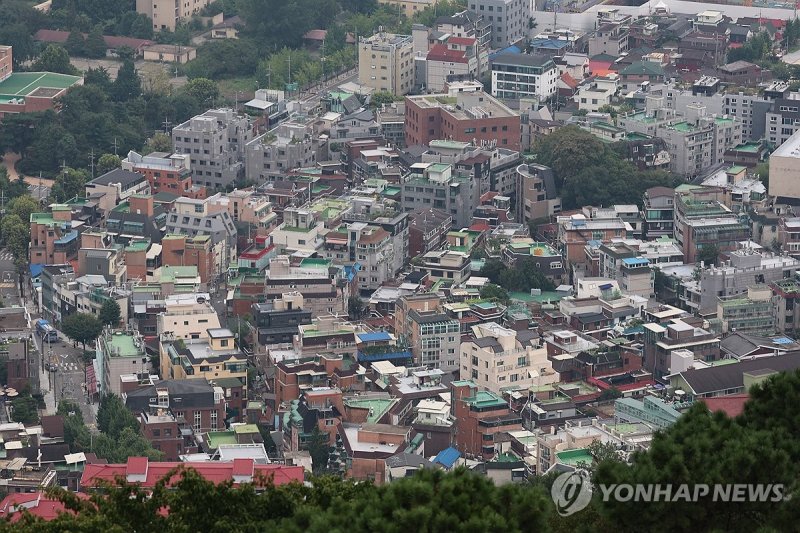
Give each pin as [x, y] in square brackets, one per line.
[167, 15]
[784, 169]
[496, 359]
[409, 7]
[386, 63]
[187, 316]
[169, 53]
[213, 357]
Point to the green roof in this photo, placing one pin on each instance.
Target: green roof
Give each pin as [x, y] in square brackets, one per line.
[121, 345]
[315, 262]
[170, 273]
[546, 296]
[21, 84]
[736, 169]
[684, 127]
[217, 438]
[377, 407]
[574, 457]
[245, 428]
[750, 147]
[643, 68]
[138, 246]
[485, 399]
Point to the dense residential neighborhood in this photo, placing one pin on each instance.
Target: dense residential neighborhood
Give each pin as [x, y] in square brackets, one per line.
[249, 245]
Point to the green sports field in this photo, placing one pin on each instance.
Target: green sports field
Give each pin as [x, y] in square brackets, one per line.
[22, 84]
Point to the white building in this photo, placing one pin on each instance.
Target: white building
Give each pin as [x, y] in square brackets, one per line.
[495, 359]
[516, 76]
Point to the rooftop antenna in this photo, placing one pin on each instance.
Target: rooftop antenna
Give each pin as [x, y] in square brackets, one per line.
[166, 125]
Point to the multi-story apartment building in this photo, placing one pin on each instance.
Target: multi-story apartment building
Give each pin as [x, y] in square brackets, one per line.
[165, 173]
[323, 293]
[695, 141]
[277, 320]
[432, 336]
[660, 342]
[119, 353]
[437, 185]
[480, 416]
[516, 76]
[213, 357]
[495, 359]
[700, 223]
[409, 8]
[168, 15]
[784, 168]
[575, 231]
[455, 59]
[115, 187]
[472, 117]
[386, 63]
[467, 23]
[427, 229]
[659, 212]
[753, 312]
[54, 236]
[300, 231]
[206, 217]
[192, 403]
[759, 116]
[536, 193]
[377, 213]
[369, 246]
[600, 92]
[187, 316]
[215, 142]
[508, 20]
[610, 38]
[278, 151]
[446, 265]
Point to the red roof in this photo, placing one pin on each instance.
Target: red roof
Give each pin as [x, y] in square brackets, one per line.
[464, 41]
[569, 80]
[243, 468]
[59, 36]
[214, 471]
[319, 35]
[36, 503]
[440, 52]
[732, 405]
[479, 226]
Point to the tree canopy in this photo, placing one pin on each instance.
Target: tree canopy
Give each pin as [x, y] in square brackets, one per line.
[82, 327]
[590, 172]
[110, 313]
[522, 278]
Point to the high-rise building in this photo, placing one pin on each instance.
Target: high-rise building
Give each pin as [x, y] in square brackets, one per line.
[508, 18]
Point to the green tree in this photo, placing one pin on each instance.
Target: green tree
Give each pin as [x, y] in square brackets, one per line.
[204, 91]
[490, 291]
[82, 328]
[23, 206]
[159, 142]
[319, 449]
[110, 313]
[113, 417]
[75, 44]
[54, 58]
[69, 184]
[95, 46]
[127, 85]
[16, 236]
[107, 163]
[355, 307]
[708, 254]
[25, 410]
[382, 97]
[98, 76]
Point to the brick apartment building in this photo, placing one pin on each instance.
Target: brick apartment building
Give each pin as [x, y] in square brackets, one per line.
[461, 116]
[480, 415]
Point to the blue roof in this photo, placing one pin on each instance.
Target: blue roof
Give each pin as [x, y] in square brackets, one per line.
[448, 457]
[71, 236]
[36, 270]
[510, 50]
[550, 44]
[782, 340]
[375, 336]
[636, 261]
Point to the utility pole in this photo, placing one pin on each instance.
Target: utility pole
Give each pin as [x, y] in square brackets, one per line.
[166, 125]
[91, 161]
[115, 146]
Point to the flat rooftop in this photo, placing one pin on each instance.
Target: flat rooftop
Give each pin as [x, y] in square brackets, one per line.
[465, 106]
[46, 84]
[123, 345]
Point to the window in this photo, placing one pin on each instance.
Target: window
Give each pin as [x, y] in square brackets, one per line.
[213, 419]
[197, 420]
